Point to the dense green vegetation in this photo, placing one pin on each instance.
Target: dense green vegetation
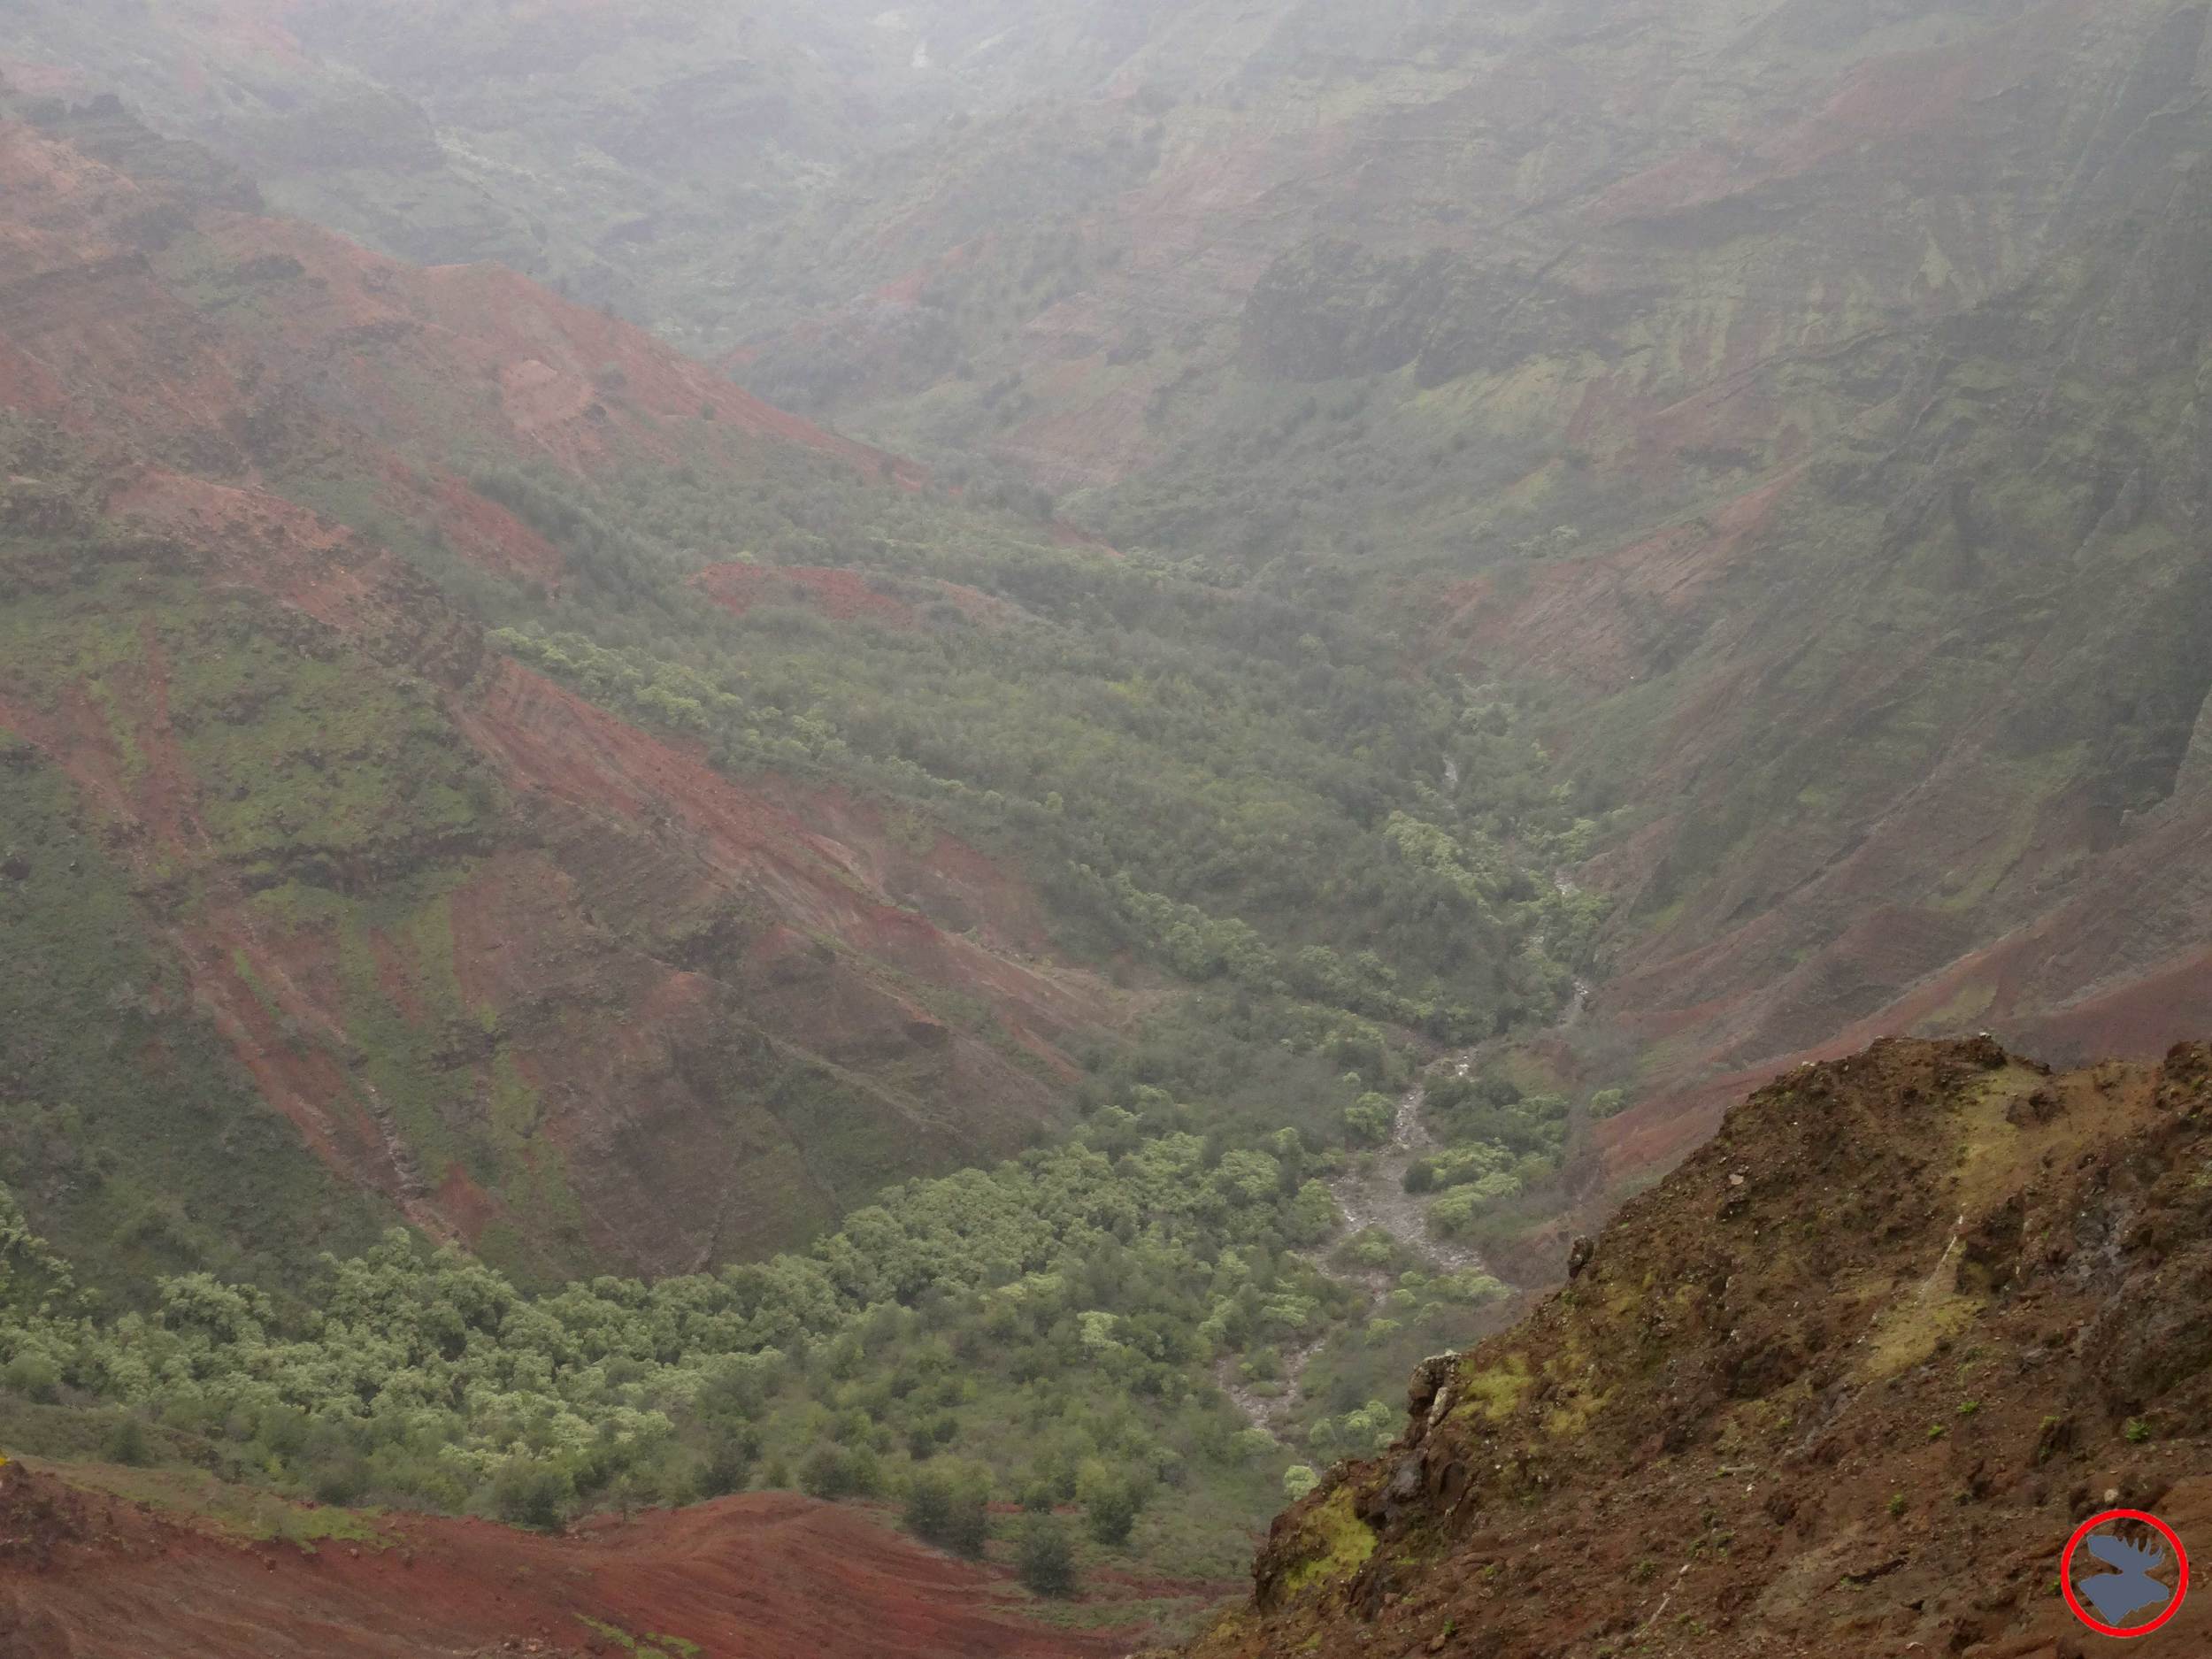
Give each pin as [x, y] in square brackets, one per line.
[1045, 1333]
[1242, 784]
[1328, 860]
[1316, 861]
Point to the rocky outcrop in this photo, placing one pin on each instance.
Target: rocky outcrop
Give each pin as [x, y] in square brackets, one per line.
[1850, 1376]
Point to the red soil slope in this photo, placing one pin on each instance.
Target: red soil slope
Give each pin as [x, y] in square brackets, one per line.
[842, 595]
[654, 944]
[1843, 1384]
[635, 912]
[558, 377]
[156, 311]
[772, 1576]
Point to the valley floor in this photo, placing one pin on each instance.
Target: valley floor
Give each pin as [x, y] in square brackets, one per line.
[1372, 1193]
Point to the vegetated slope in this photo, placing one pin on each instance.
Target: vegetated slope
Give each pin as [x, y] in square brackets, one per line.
[1812, 391]
[523, 969]
[1745, 374]
[281, 825]
[84, 1574]
[1847, 1378]
[769, 812]
[1919, 728]
[1761, 365]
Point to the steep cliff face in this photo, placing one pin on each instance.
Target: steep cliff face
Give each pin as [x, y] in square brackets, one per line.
[1846, 1378]
[1917, 724]
[320, 910]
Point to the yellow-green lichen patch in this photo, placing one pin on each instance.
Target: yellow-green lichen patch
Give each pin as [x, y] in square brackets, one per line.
[1338, 1540]
[1499, 1390]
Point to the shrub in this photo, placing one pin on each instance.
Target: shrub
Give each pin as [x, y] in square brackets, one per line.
[1112, 1512]
[833, 1472]
[948, 1508]
[34, 1375]
[970, 1528]
[727, 1465]
[127, 1443]
[1045, 1557]
[1369, 1121]
[1036, 1494]
[531, 1492]
[342, 1481]
[929, 1500]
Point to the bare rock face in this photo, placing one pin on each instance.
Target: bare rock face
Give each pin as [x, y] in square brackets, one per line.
[1429, 1379]
[1875, 1396]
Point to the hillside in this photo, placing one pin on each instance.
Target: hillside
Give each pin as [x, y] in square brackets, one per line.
[1735, 385]
[536, 977]
[535, 789]
[1847, 1379]
[523, 972]
[94, 1570]
[1805, 398]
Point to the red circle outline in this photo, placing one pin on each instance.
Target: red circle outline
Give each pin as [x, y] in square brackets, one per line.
[2066, 1570]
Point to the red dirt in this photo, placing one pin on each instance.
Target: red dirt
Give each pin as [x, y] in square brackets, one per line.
[548, 739]
[344, 351]
[536, 370]
[842, 595]
[770, 1576]
[1588, 620]
[1844, 1383]
[43, 81]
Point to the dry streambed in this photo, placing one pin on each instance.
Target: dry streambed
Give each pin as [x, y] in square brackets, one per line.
[1371, 1195]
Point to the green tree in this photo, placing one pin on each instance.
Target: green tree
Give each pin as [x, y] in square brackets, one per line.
[1112, 1512]
[127, 1443]
[929, 1501]
[833, 1472]
[1046, 1556]
[949, 1507]
[532, 1492]
[1367, 1121]
[727, 1465]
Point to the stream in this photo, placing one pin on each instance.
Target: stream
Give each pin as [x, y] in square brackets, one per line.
[1370, 1196]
